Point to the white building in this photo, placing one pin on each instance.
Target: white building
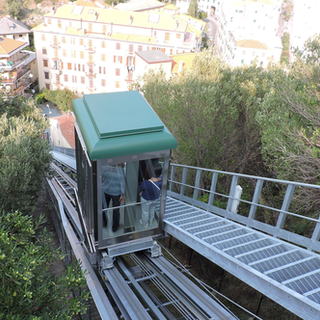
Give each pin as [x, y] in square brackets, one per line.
[90, 50]
[14, 29]
[305, 17]
[248, 31]
[203, 5]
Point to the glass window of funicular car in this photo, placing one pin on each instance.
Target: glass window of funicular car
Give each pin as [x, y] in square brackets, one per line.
[132, 198]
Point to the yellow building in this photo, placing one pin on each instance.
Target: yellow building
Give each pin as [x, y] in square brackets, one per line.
[90, 50]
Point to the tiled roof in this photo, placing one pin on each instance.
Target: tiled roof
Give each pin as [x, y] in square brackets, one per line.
[92, 4]
[11, 26]
[66, 124]
[153, 56]
[242, 3]
[140, 5]
[254, 44]
[140, 19]
[8, 45]
[186, 58]
[171, 6]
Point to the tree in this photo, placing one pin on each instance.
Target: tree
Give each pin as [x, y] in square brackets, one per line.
[291, 126]
[24, 156]
[14, 8]
[211, 111]
[61, 98]
[29, 290]
[193, 9]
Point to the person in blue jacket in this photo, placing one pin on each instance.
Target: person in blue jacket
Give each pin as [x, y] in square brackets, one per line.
[150, 193]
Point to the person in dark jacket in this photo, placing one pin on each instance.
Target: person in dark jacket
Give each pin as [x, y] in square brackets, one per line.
[150, 193]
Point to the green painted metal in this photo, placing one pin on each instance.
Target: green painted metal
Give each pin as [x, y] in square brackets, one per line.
[120, 123]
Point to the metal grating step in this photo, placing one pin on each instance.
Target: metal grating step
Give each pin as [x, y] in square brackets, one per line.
[233, 233]
[295, 269]
[198, 222]
[249, 247]
[305, 284]
[182, 218]
[268, 252]
[207, 228]
[230, 243]
[279, 260]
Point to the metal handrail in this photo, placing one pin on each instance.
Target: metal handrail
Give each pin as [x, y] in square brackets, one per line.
[311, 242]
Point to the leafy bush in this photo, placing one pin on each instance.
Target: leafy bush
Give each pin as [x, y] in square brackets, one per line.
[29, 290]
[24, 161]
[61, 98]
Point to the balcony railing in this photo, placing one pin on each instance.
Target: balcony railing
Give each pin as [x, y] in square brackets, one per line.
[14, 65]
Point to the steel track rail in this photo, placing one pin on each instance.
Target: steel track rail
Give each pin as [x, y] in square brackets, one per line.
[103, 305]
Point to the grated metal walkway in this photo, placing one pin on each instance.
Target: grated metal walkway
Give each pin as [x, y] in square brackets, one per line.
[285, 273]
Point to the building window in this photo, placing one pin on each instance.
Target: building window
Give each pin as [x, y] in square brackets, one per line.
[72, 41]
[64, 52]
[73, 53]
[46, 75]
[45, 63]
[103, 57]
[103, 82]
[65, 78]
[48, 86]
[140, 48]
[178, 36]
[104, 29]
[63, 39]
[155, 33]
[167, 36]
[75, 67]
[171, 51]
[81, 55]
[43, 37]
[117, 59]
[59, 24]
[242, 61]
[130, 48]
[118, 46]
[83, 80]
[117, 72]
[79, 67]
[90, 27]
[117, 84]
[44, 50]
[103, 44]
[69, 66]
[244, 52]
[90, 44]
[49, 20]
[81, 42]
[74, 79]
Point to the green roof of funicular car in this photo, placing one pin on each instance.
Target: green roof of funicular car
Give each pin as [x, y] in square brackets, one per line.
[120, 123]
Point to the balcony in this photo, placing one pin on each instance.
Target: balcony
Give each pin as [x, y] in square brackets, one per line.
[56, 71]
[129, 77]
[90, 49]
[90, 74]
[55, 44]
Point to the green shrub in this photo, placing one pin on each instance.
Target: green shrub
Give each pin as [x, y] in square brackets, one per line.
[28, 289]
